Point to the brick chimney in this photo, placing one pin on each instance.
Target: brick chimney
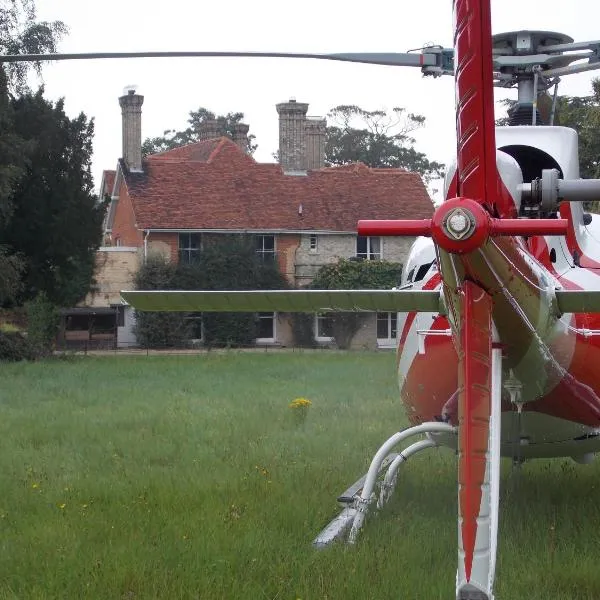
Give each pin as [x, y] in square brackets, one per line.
[315, 142]
[210, 129]
[292, 135]
[131, 111]
[240, 135]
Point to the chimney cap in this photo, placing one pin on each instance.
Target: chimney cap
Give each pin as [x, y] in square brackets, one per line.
[129, 90]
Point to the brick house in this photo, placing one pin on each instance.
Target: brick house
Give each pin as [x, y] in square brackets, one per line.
[302, 214]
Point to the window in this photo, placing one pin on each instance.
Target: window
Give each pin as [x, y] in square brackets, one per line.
[189, 247]
[313, 242]
[368, 248]
[265, 331]
[265, 247]
[323, 328]
[386, 326]
[196, 327]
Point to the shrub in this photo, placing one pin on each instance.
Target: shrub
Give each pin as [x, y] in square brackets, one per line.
[42, 324]
[14, 347]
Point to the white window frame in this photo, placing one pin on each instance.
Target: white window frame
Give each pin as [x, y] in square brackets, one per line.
[313, 243]
[389, 341]
[188, 249]
[370, 255]
[261, 251]
[200, 318]
[320, 338]
[269, 340]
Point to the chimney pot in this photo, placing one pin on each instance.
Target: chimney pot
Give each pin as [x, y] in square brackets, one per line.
[292, 135]
[131, 114]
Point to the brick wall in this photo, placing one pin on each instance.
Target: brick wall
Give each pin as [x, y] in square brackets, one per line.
[285, 246]
[165, 243]
[124, 226]
[115, 269]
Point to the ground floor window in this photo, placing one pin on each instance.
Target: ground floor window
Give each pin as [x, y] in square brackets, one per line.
[323, 328]
[196, 327]
[387, 330]
[265, 331]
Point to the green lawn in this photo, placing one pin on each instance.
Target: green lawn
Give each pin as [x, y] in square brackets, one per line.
[186, 477]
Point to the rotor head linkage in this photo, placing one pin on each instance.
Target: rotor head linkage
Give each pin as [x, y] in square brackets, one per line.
[462, 225]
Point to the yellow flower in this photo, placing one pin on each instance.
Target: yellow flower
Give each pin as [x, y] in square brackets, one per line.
[35, 486]
[300, 403]
[61, 506]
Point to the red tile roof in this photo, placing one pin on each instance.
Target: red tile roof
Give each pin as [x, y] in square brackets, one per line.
[108, 182]
[214, 185]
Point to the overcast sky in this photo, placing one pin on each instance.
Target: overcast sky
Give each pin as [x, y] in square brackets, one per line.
[173, 87]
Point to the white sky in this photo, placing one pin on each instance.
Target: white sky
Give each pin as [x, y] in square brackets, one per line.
[173, 87]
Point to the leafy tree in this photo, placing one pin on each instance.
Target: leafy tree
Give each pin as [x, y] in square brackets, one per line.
[20, 33]
[352, 275]
[56, 220]
[378, 139]
[173, 139]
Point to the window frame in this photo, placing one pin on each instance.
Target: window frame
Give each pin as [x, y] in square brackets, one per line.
[261, 251]
[369, 254]
[313, 243]
[392, 324]
[268, 340]
[321, 338]
[188, 250]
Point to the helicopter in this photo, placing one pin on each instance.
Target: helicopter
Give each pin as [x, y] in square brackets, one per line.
[499, 303]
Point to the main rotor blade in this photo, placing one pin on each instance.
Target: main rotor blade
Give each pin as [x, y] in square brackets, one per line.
[285, 300]
[416, 59]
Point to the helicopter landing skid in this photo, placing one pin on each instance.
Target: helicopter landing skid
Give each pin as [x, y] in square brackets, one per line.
[359, 497]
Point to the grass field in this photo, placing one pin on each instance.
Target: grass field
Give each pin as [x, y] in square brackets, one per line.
[186, 477]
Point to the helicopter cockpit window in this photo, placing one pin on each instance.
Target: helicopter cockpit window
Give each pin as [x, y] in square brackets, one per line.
[411, 274]
[423, 270]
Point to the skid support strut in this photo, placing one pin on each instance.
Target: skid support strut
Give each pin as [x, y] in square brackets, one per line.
[361, 495]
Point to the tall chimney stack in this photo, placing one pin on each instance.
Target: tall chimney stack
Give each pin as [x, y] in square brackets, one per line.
[292, 135]
[315, 143]
[240, 135]
[131, 111]
[210, 129]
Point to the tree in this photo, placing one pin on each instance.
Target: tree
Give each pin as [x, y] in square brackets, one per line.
[173, 139]
[581, 113]
[19, 33]
[354, 275]
[56, 220]
[378, 139]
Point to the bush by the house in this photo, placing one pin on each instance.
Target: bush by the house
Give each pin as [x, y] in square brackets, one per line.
[226, 263]
[354, 275]
[42, 324]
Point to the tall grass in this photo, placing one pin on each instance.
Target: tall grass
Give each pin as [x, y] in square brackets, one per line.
[187, 477]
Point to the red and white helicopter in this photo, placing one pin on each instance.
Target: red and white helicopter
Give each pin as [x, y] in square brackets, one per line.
[500, 305]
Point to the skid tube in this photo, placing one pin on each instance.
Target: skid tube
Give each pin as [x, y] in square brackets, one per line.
[352, 517]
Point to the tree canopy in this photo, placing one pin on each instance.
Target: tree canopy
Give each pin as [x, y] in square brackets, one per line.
[20, 33]
[377, 138]
[173, 139]
[54, 222]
